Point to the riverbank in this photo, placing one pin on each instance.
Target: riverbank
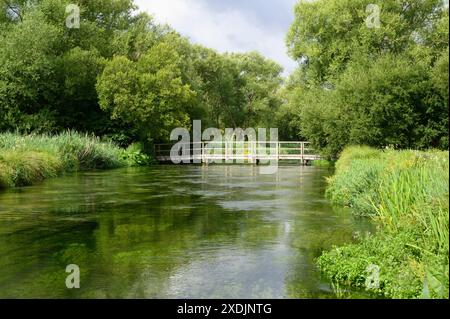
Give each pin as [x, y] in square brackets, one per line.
[406, 193]
[26, 160]
[323, 163]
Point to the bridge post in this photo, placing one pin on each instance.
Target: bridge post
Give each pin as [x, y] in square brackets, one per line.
[302, 146]
[226, 152]
[255, 147]
[251, 151]
[202, 146]
[278, 151]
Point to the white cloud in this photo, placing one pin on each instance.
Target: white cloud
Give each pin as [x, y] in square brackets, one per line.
[230, 30]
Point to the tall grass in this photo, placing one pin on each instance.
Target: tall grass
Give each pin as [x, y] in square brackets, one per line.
[25, 160]
[406, 193]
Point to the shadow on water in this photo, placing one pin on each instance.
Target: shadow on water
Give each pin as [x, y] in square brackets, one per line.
[172, 232]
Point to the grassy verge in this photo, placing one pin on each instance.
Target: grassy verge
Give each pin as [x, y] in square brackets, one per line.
[406, 192]
[26, 160]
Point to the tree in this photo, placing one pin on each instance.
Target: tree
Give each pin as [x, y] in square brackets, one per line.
[262, 80]
[27, 75]
[48, 72]
[77, 71]
[326, 35]
[149, 93]
[377, 86]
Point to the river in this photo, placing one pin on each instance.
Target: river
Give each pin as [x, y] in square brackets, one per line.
[172, 232]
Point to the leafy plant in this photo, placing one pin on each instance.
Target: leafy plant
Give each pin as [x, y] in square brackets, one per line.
[406, 193]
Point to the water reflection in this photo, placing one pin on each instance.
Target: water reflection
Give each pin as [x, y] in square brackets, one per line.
[172, 232]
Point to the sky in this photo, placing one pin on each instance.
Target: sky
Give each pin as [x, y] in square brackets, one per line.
[230, 25]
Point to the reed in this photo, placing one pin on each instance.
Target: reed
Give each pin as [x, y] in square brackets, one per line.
[25, 160]
[406, 193]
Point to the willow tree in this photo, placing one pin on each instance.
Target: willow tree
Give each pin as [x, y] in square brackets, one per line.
[149, 93]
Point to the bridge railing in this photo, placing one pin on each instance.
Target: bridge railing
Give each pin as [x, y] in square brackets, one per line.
[234, 150]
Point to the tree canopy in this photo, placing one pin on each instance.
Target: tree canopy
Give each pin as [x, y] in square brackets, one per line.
[126, 77]
[122, 75]
[380, 86]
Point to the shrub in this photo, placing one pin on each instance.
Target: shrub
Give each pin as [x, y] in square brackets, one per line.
[134, 155]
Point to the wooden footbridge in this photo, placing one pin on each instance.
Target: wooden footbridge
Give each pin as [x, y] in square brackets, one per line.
[238, 152]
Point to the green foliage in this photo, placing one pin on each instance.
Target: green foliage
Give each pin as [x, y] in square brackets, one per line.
[48, 72]
[77, 72]
[383, 86]
[134, 155]
[401, 273]
[261, 81]
[121, 75]
[220, 84]
[355, 85]
[406, 192]
[6, 175]
[329, 34]
[149, 93]
[323, 163]
[27, 75]
[25, 160]
[28, 167]
[354, 184]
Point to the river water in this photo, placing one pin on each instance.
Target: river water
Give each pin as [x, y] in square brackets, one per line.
[172, 232]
